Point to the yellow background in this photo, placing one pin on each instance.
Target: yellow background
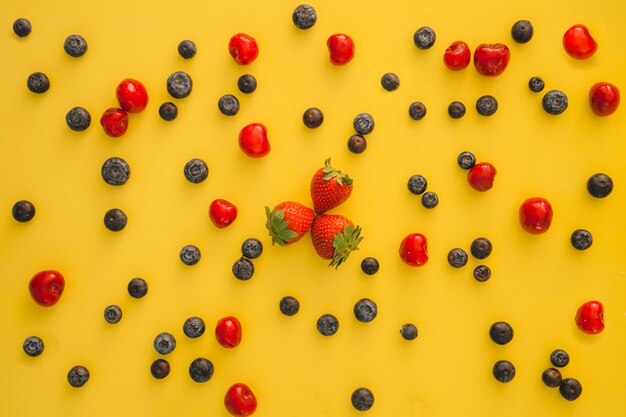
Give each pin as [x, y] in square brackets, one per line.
[537, 284]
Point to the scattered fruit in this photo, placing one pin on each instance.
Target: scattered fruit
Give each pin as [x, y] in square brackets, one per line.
[604, 98]
[179, 84]
[33, 346]
[289, 305]
[252, 248]
[341, 48]
[590, 317]
[164, 343]
[46, 287]
[369, 265]
[115, 171]
[390, 81]
[579, 43]
[570, 389]
[482, 273]
[501, 332]
[115, 220]
[365, 310]
[243, 269]
[78, 376]
[228, 105]
[38, 82]
[486, 105]
[334, 237]
[536, 84]
[581, 239]
[194, 327]
[417, 184]
[112, 314]
[137, 288]
[168, 111]
[228, 332]
[424, 37]
[551, 377]
[491, 59]
[481, 176]
[408, 331]
[327, 325]
[414, 249]
[243, 48]
[535, 215]
[457, 258]
[240, 400]
[160, 368]
[288, 222]
[78, 119]
[187, 49]
[201, 370]
[457, 56]
[329, 188]
[430, 200]
[554, 102]
[481, 248]
[247, 83]
[75, 46]
[357, 144]
[304, 16]
[132, 95]
[196, 171]
[466, 160]
[456, 110]
[313, 118]
[253, 140]
[222, 213]
[22, 27]
[503, 371]
[114, 122]
[559, 358]
[417, 110]
[522, 31]
[599, 185]
[362, 399]
[363, 123]
[23, 211]
[189, 255]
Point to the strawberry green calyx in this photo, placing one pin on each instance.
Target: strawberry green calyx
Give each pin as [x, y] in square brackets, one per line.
[330, 173]
[279, 227]
[344, 243]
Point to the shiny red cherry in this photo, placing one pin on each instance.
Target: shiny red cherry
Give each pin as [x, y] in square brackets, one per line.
[114, 122]
[590, 317]
[535, 215]
[414, 249]
[457, 56]
[228, 332]
[46, 287]
[243, 48]
[240, 400]
[481, 176]
[253, 140]
[341, 48]
[222, 213]
[579, 43]
[603, 98]
[491, 59]
[132, 95]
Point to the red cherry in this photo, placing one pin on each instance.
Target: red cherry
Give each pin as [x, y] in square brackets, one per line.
[228, 332]
[590, 317]
[222, 213]
[481, 176]
[114, 122]
[132, 95]
[535, 215]
[578, 42]
[491, 59]
[46, 287]
[457, 56]
[414, 249]
[604, 98]
[341, 48]
[240, 400]
[243, 48]
[253, 140]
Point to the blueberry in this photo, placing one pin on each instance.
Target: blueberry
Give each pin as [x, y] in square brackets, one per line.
[115, 171]
[369, 265]
[357, 144]
[486, 105]
[581, 239]
[501, 332]
[33, 346]
[536, 84]
[115, 220]
[466, 160]
[482, 273]
[190, 255]
[313, 118]
[243, 269]
[570, 389]
[559, 358]
[456, 110]
[599, 185]
[160, 368]
[289, 305]
[164, 343]
[362, 399]
[327, 325]
[365, 310]
[187, 49]
[457, 258]
[194, 327]
[23, 211]
[246, 83]
[75, 46]
[196, 171]
[417, 110]
[78, 119]
[551, 377]
[179, 84]
[22, 27]
[78, 376]
[481, 248]
[112, 314]
[228, 105]
[408, 331]
[363, 123]
[504, 371]
[417, 184]
[522, 31]
[137, 288]
[554, 102]
[168, 111]
[38, 82]
[201, 370]
[424, 37]
[304, 16]
[390, 81]
[251, 248]
[430, 200]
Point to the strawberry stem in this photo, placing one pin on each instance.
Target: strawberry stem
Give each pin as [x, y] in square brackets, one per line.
[330, 172]
[344, 243]
[278, 227]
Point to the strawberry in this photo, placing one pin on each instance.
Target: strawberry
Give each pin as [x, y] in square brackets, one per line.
[334, 237]
[329, 188]
[288, 222]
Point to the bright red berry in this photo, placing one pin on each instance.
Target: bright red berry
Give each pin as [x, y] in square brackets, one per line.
[491, 59]
[132, 95]
[222, 213]
[590, 317]
[457, 56]
[329, 188]
[481, 176]
[288, 222]
[228, 332]
[240, 400]
[114, 122]
[46, 287]
[414, 249]
[341, 48]
[604, 98]
[243, 48]
[535, 215]
[578, 42]
[253, 140]
[334, 237]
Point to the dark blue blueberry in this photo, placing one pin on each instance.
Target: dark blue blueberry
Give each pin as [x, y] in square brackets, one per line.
[369, 265]
[522, 31]
[78, 119]
[313, 118]
[457, 258]
[289, 305]
[187, 49]
[408, 331]
[243, 269]
[481, 248]
[251, 248]
[137, 287]
[504, 371]
[190, 255]
[115, 220]
[424, 37]
[486, 105]
[363, 123]
[304, 16]
[75, 46]
[482, 273]
[112, 314]
[196, 171]
[327, 325]
[362, 399]
[466, 160]
[430, 200]
[357, 144]
[160, 368]
[581, 239]
[228, 105]
[365, 310]
[417, 184]
[246, 83]
[164, 343]
[22, 27]
[201, 370]
[179, 84]
[390, 81]
[501, 332]
[599, 185]
[78, 376]
[536, 84]
[38, 82]
[570, 389]
[33, 346]
[168, 111]
[551, 377]
[559, 358]
[456, 110]
[194, 327]
[23, 211]
[417, 110]
[115, 171]
[554, 102]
